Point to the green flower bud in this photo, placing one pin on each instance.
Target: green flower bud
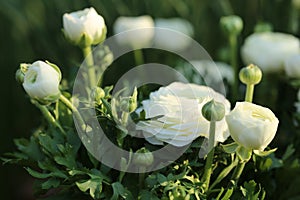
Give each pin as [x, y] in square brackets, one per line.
[213, 111]
[231, 24]
[143, 157]
[129, 104]
[97, 94]
[250, 75]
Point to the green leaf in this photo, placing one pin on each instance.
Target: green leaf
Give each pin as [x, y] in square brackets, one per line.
[41, 175]
[29, 147]
[249, 191]
[119, 190]
[67, 156]
[230, 148]
[50, 183]
[288, 152]
[49, 144]
[93, 185]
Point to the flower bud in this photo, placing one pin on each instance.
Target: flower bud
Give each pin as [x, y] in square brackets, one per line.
[252, 126]
[250, 75]
[97, 94]
[143, 157]
[85, 27]
[213, 111]
[41, 82]
[129, 104]
[231, 24]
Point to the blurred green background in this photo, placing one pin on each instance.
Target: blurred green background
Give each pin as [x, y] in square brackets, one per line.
[31, 30]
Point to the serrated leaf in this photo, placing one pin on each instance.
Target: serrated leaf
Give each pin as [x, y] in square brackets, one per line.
[30, 148]
[119, 190]
[50, 183]
[93, 185]
[249, 190]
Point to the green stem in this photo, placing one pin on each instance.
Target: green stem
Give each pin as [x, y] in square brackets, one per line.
[209, 160]
[141, 177]
[237, 172]
[138, 56]
[224, 173]
[240, 167]
[74, 110]
[234, 64]
[49, 117]
[249, 93]
[88, 55]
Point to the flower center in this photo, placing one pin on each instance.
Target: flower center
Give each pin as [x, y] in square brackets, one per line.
[31, 76]
[259, 116]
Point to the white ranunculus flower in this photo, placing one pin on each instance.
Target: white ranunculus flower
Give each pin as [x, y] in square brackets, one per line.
[165, 36]
[173, 115]
[268, 50]
[141, 31]
[252, 126]
[292, 66]
[41, 82]
[84, 27]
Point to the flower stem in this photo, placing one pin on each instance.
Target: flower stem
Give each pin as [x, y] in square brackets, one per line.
[88, 55]
[138, 56]
[237, 172]
[210, 156]
[240, 167]
[74, 110]
[249, 93]
[224, 173]
[49, 117]
[233, 63]
[141, 177]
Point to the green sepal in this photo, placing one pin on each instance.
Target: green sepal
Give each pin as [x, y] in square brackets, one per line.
[243, 153]
[264, 153]
[55, 67]
[230, 148]
[49, 99]
[102, 38]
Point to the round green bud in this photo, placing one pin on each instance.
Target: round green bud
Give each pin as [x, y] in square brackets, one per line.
[213, 111]
[97, 94]
[250, 75]
[231, 24]
[143, 157]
